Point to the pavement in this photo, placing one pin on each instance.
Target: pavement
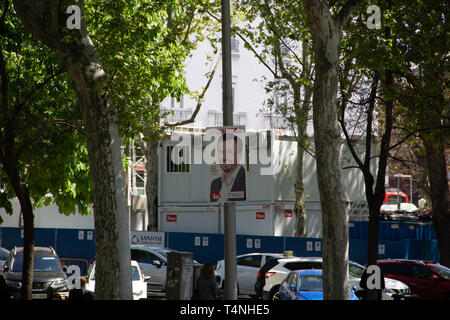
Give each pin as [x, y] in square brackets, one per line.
[162, 296]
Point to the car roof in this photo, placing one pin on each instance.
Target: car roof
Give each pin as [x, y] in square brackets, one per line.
[295, 259]
[143, 246]
[35, 250]
[277, 254]
[405, 261]
[309, 272]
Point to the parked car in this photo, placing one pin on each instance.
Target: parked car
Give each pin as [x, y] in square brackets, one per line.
[4, 253]
[139, 281]
[280, 268]
[248, 266]
[426, 280]
[49, 278]
[261, 276]
[305, 285]
[153, 263]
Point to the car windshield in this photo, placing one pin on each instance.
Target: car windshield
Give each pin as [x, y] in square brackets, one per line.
[310, 283]
[444, 272]
[4, 254]
[164, 252]
[135, 273]
[41, 263]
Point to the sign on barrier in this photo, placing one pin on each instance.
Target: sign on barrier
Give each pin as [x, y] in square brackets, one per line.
[148, 238]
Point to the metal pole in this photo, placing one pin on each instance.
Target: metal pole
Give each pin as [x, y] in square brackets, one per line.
[229, 208]
[410, 189]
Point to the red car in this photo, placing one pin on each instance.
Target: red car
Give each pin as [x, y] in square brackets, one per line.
[429, 281]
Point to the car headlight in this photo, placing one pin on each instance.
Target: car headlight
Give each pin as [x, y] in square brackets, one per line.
[58, 284]
[14, 284]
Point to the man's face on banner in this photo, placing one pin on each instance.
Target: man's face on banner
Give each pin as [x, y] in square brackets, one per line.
[228, 154]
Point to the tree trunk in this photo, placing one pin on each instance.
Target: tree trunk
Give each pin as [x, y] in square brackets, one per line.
[375, 199]
[47, 21]
[437, 174]
[326, 35]
[151, 187]
[300, 202]
[302, 142]
[28, 242]
[22, 193]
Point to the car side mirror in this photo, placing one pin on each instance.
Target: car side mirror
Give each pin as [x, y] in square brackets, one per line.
[156, 263]
[146, 278]
[292, 287]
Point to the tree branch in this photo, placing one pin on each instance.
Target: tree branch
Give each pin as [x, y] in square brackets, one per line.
[347, 10]
[199, 100]
[20, 104]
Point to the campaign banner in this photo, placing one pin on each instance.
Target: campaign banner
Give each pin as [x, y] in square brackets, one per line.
[228, 174]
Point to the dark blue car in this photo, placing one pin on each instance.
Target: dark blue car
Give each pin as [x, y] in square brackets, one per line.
[304, 285]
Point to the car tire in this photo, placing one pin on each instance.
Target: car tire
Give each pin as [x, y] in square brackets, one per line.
[274, 293]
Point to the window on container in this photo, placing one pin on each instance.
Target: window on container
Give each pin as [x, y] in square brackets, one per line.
[172, 167]
[234, 45]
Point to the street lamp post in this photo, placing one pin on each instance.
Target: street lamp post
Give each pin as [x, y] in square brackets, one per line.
[229, 207]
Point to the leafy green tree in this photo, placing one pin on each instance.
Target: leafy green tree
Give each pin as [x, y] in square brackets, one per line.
[43, 158]
[367, 73]
[281, 42]
[326, 20]
[421, 30]
[144, 46]
[48, 22]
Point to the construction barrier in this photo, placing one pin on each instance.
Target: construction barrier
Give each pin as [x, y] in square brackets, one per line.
[400, 241]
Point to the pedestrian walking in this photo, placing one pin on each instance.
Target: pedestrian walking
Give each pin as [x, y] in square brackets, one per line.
[207, 283]
[81, 293]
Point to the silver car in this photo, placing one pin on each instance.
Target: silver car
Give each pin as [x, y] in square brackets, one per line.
[153, 263]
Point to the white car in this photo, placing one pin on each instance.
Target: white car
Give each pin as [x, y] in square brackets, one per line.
[139, 282]
[153, 263]
[278, 273]
[247, 266]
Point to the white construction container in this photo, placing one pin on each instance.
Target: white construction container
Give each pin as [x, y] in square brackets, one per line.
[184, 199]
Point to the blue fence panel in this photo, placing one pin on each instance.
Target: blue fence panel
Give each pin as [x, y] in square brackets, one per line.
[425, 231]
[75, 243]
[80, 244]
[357, 230]
[304, 247]
[253, 243]
[421, 250]
[394, 231]
[205, 246]
[11, 237]
[357, 251]
[45, 237]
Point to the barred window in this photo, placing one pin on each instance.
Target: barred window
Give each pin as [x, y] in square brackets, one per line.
[172, 167]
